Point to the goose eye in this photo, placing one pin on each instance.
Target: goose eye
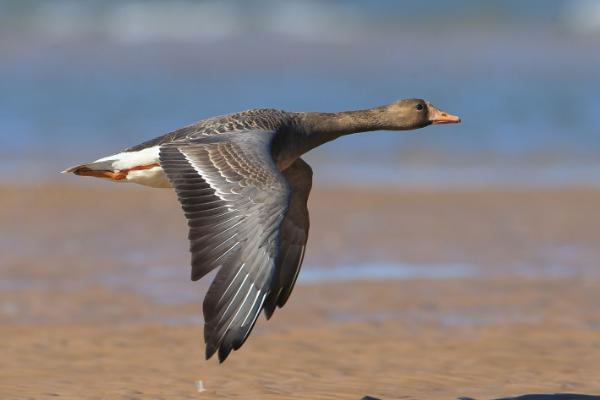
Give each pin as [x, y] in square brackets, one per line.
[419, 107]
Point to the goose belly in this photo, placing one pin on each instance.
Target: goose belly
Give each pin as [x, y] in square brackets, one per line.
[153, 177]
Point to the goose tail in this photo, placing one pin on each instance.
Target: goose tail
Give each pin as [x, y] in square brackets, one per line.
[98, 169]
[141, 167]
[93, 166]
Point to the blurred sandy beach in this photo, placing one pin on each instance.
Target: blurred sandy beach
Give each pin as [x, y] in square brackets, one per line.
[478, 294]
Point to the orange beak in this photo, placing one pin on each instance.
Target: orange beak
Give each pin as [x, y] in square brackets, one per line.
[441, 117]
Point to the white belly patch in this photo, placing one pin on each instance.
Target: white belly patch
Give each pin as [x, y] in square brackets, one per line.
[153, 177]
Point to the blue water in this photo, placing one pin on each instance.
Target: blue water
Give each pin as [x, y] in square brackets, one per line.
[384, 272]
[526, 86]
[169, 286]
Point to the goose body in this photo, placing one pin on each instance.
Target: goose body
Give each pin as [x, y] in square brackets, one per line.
[243, 188]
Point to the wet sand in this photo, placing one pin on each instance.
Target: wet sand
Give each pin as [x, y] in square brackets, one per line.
[96, 301]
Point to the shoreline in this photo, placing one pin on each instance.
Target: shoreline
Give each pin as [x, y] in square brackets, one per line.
[419, 339]
[96, 300]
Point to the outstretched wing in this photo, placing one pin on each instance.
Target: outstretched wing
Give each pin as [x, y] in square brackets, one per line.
[294, 234]
[235, 200]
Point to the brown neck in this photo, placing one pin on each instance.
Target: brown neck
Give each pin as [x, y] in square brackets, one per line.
[321, 128]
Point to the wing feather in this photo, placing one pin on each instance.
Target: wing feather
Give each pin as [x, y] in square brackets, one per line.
[294, 234]
[235, 200]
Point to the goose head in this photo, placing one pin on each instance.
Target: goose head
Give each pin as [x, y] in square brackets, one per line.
[413, 114]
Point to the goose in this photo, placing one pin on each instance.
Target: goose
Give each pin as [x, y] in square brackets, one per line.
[244, 190]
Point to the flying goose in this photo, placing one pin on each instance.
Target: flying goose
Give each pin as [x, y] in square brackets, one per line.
[244, 188]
